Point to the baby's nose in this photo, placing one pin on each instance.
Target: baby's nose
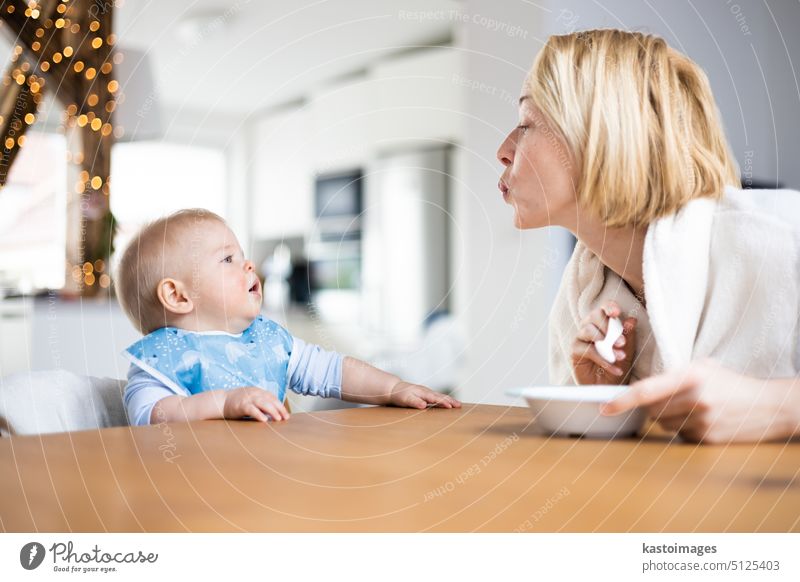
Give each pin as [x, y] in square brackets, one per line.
[249, 266]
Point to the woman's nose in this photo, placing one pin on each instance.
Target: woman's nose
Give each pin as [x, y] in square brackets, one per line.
[506, 151]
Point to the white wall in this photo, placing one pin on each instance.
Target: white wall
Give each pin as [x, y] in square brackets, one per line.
[280, 200]
[400, 102]
[509, 277]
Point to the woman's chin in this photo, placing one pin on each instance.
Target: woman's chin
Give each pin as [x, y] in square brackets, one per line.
[527, 222]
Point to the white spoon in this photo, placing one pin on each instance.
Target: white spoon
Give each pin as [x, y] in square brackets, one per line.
[605, 346]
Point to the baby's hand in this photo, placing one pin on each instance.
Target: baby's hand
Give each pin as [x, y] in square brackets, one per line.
[254, 402]
[590, 367]
[416, 396]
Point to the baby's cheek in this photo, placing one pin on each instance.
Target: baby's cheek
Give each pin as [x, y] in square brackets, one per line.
[219, 294]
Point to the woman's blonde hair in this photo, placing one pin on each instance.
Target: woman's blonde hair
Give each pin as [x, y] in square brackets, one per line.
[639, 119]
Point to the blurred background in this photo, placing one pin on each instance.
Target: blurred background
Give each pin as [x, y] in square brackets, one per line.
[351, 146]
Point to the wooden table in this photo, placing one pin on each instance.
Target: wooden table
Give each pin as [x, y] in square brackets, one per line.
[389, 469]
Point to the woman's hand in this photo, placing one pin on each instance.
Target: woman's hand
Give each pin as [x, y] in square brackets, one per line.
[254, 402]
[708, 403]
[416, 396]
[590, 367]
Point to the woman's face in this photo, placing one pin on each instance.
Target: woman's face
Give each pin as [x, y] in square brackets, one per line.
[539, 180]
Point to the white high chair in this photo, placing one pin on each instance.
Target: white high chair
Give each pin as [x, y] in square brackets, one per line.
[59, 401]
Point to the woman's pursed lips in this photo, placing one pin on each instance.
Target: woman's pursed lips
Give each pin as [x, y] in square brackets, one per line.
[503, 188]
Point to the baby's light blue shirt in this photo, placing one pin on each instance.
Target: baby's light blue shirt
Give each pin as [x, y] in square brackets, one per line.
[310, 371]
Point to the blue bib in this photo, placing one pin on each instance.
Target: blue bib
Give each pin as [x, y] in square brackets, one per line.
[191, 361]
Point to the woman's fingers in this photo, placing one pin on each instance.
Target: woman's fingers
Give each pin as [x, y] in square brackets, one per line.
[649, 391]
[627, 341]
[599, 316]
[599, 319]
[593, 328]
[582, 351]
[590, 333]
[611, 309]
[677, 404]
[674, 423]
[629, 327]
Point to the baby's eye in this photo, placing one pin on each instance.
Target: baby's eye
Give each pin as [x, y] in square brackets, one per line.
[228, 259]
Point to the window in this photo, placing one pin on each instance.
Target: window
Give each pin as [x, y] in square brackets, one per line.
[148, 180]
[33, 216]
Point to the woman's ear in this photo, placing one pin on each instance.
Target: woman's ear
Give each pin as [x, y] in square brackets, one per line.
[173, 297]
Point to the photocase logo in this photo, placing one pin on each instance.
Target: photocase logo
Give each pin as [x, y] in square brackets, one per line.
[31, 555]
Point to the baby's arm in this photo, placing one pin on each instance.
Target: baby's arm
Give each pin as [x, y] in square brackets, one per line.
[318, 372]
[141, 395]
[250, 401]
[148, 401]
[362, 382]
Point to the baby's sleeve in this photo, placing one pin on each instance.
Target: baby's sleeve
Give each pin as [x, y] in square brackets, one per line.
[314, 371]
[141, 395]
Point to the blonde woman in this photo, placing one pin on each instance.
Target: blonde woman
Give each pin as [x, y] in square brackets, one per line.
[619, 141]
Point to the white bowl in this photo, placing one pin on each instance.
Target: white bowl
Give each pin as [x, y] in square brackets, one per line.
[575, 410]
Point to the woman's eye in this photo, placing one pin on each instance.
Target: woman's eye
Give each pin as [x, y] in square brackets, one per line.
[523, 128]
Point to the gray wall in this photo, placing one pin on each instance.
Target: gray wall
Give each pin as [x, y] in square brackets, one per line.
[740, 45]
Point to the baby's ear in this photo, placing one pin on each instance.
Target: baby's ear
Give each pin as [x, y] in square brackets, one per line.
[173, 296]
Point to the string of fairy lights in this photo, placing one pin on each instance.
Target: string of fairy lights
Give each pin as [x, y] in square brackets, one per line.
[90, 110]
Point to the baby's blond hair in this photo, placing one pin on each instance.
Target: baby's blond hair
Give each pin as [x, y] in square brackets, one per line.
[147, 260]
[639, 120]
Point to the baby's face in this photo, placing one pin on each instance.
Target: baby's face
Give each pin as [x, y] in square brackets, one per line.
[222, 284]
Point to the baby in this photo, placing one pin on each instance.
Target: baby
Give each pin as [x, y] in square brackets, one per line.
[207, 352]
